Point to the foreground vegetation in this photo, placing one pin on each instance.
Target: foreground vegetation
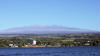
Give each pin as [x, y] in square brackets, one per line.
[49, 42]
[80, 39]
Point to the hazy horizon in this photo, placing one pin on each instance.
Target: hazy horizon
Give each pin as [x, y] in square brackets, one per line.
[83, 14]
[46, 26]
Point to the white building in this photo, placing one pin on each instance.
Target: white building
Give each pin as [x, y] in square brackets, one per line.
[34, 42]
[10, 45]
[13, 45]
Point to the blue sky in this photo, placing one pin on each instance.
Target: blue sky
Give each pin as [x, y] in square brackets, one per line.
[83, 14]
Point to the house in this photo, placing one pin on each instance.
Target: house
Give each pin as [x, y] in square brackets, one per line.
[13, 45]
[87, 44]
[34, 42]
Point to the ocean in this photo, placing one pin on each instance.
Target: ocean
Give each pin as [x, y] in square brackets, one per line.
[51, 51]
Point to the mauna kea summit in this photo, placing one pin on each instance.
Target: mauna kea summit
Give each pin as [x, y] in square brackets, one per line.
[44, 30]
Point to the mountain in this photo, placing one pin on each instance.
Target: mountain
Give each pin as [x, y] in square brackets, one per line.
[43, 30]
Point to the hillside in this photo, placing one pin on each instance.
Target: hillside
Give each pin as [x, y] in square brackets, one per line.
[49, 31]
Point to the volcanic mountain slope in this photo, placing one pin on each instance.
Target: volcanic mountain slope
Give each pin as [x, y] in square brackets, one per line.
[43, 30]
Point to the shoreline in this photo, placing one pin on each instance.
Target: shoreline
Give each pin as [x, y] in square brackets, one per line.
[51, 46]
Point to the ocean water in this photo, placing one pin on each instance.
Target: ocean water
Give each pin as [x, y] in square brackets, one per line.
[51, 51]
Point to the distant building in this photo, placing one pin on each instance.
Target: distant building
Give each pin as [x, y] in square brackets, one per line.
[87, 44]
[13, 45]
[10, 45]
[34, 42]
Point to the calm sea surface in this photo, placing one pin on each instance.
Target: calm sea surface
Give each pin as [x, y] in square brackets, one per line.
[51, 51]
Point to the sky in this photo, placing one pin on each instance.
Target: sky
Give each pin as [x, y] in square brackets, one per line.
[83, 14]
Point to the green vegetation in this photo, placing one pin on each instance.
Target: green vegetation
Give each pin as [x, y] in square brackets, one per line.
[80, 39]
[50, 41]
